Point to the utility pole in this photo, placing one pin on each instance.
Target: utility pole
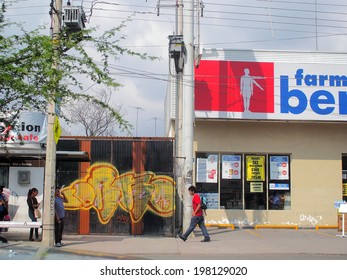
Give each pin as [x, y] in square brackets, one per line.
[179, 159]
[182, 50]
[50, 166]
[188, 108]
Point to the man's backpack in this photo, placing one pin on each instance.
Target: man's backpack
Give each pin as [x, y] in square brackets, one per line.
[203, 202]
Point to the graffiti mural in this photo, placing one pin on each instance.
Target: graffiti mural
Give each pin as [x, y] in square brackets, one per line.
[104, 190]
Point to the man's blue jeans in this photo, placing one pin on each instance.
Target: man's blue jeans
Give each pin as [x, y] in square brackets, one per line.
[197, 220]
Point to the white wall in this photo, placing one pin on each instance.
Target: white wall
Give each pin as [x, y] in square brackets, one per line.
[17, 204]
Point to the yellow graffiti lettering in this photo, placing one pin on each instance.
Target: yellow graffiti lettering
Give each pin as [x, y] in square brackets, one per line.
[104, 189]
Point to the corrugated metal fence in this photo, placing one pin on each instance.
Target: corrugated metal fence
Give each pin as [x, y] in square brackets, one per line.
[127, 188]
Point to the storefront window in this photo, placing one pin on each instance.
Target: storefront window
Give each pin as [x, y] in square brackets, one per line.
[4, 176]
[207, 174]
[255, 182]
[279, 184]
[244, 181]
[231, 196]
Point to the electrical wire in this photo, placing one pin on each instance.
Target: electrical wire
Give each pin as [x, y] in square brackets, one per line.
[228, 19]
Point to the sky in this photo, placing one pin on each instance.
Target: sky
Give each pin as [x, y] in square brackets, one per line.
[310, 25]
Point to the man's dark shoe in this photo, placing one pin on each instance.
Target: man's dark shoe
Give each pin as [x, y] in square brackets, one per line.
[206, 240]
[182, 237]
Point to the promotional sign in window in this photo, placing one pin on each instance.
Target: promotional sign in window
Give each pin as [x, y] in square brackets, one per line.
[280, 187]
[279, 168]
[231, 167]
[255, 168]
[207, 169]
[256, 187]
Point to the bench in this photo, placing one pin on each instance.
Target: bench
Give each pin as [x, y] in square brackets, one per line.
[11, 224]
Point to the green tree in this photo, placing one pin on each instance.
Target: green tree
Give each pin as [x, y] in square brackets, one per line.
[28, 81]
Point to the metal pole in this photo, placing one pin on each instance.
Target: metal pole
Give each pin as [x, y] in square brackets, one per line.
[50, 167]
[137, 117]
[155, 126]
[188, 108]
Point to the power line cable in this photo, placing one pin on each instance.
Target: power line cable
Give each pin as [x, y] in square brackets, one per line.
[233, 26]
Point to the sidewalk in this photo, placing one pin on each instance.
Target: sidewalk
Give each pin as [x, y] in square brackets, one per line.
[235, 244]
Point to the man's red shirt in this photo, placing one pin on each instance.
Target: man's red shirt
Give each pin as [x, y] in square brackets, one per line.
[196, 202]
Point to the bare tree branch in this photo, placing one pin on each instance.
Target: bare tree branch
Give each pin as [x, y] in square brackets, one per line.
[94, 118]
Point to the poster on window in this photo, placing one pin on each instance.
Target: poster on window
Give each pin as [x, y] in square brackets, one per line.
[231, 167]
[207, 169]
[279, 168]
[277, 186]
[256, 187]
[255, 168]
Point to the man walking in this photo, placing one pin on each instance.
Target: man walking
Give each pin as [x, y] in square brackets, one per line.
[197, 217]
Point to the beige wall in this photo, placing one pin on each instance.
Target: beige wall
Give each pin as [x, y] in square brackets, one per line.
[316, 171]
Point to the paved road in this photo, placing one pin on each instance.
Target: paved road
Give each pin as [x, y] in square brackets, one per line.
[226, 244]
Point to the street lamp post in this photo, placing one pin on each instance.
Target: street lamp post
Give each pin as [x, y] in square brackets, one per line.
[137, 117]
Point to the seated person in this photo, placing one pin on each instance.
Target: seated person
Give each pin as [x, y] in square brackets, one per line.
[276, 201]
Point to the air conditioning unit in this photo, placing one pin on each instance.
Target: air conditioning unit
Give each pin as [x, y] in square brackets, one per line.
[23, 177]
[73, 18]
